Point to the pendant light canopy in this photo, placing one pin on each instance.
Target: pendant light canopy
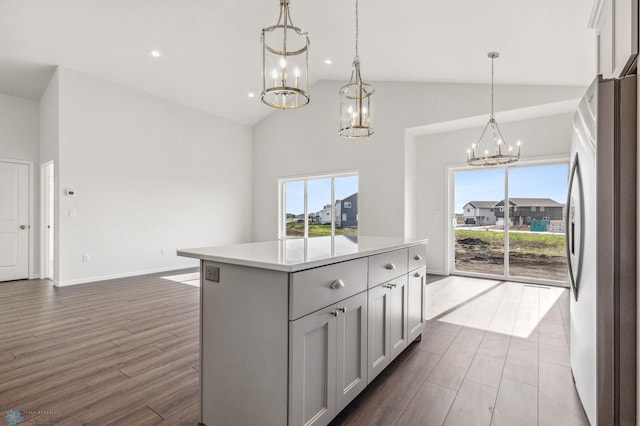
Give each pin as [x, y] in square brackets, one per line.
[503, 153]
[355, 101]
[285, 63]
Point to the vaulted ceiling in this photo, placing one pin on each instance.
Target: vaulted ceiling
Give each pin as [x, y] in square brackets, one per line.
[211, 48]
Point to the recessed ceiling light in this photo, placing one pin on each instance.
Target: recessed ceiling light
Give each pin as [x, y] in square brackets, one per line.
[252, 95]
[328, 61]
[156, 53]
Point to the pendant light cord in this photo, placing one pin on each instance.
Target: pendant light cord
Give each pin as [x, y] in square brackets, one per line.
[492, 59]
[357, 58]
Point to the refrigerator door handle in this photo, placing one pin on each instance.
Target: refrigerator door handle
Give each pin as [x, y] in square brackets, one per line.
[574, 232]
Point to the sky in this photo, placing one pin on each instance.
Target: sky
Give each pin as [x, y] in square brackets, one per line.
[319, 193]
[549, 181]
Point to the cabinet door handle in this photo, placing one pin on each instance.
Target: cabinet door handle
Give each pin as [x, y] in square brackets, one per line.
[390, 266]
[343, 309]
[334, 313]
[392, 285]
[337, 284]
[418, 257]
[417, 275]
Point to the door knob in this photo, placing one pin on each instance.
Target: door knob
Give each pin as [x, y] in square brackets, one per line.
[23, 226]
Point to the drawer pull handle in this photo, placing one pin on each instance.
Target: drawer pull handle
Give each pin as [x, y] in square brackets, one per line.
[417, 275]
[390, 266]
[343, 309]
[418, 257]
[337, 284]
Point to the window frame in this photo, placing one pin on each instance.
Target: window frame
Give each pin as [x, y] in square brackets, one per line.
[282, 219]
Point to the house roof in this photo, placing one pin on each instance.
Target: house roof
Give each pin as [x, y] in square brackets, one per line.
[482, 204]
[532, 202]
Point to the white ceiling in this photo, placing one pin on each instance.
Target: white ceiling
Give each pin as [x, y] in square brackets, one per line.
[211, 48]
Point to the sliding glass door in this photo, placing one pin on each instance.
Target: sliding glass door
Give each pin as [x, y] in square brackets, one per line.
[509, 222]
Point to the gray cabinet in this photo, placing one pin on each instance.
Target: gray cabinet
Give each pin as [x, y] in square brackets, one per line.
[388, 333]
[312, 374]
[415, 306]
[295, 347]
[379, 348]
[398, 333]
[328, 361]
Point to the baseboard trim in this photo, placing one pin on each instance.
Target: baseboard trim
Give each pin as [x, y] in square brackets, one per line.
[124, 275]
[432, 272]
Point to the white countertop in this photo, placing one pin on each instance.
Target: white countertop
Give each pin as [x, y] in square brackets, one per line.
[292, 255]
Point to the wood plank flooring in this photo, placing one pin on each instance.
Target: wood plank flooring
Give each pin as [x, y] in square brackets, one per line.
[126, 352]
[494, 353]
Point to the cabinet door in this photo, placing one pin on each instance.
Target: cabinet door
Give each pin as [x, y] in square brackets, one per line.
[398, 332]
[351, 374]
[415, 304]
[312, 375]
[378, 331]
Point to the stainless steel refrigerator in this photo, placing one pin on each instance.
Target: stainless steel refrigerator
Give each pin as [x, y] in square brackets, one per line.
[601, 248]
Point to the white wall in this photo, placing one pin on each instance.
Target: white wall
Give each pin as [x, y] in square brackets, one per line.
[149, 174]
[19, 124]
[546, 137]
[302, 142]
[19, 141]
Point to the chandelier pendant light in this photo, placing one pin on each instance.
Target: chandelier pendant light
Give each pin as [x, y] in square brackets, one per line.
[479, 155]
[285, 63]
[355, 101]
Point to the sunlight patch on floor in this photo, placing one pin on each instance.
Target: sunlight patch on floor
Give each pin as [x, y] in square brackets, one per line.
[464, 301]
[189, 279]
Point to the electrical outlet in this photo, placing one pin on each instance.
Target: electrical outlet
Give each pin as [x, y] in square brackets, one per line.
[212, 273]
[86, 258]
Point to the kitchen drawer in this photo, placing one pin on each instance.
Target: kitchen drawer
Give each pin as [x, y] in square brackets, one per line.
[316, 288]
[387, 266]
[417, 257]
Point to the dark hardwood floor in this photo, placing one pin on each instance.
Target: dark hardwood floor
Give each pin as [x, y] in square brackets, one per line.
[126, 352]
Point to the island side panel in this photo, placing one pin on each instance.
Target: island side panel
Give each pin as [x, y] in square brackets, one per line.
[244, 346]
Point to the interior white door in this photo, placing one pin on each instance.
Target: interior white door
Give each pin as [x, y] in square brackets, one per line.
[14, 221]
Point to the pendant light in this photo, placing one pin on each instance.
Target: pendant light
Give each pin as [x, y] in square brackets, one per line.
[285, 63]
[355, 101]
[502, 154]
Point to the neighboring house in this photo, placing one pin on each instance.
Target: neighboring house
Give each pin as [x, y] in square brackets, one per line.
[557, 226]
[325, 215]
[523, 210]
[347, 212]
[479, 213]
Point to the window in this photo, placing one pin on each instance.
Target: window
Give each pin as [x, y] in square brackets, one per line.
[533, 209]
[501, 209]
[312, 206]
[541, 208]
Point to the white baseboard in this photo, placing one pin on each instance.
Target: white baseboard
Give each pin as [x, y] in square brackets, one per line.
[432, 272]
[123, 275]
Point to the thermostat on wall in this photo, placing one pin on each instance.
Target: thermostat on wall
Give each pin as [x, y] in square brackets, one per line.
[70, 192]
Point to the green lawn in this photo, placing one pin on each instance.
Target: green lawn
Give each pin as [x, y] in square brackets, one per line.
[296, 229]
[522, 242]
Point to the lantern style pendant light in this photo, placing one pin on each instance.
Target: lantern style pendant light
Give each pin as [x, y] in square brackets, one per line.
[285, 63]
[355, 101]
[502, 154]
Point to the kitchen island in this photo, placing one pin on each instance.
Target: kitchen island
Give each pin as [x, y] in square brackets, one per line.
[292, 330]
